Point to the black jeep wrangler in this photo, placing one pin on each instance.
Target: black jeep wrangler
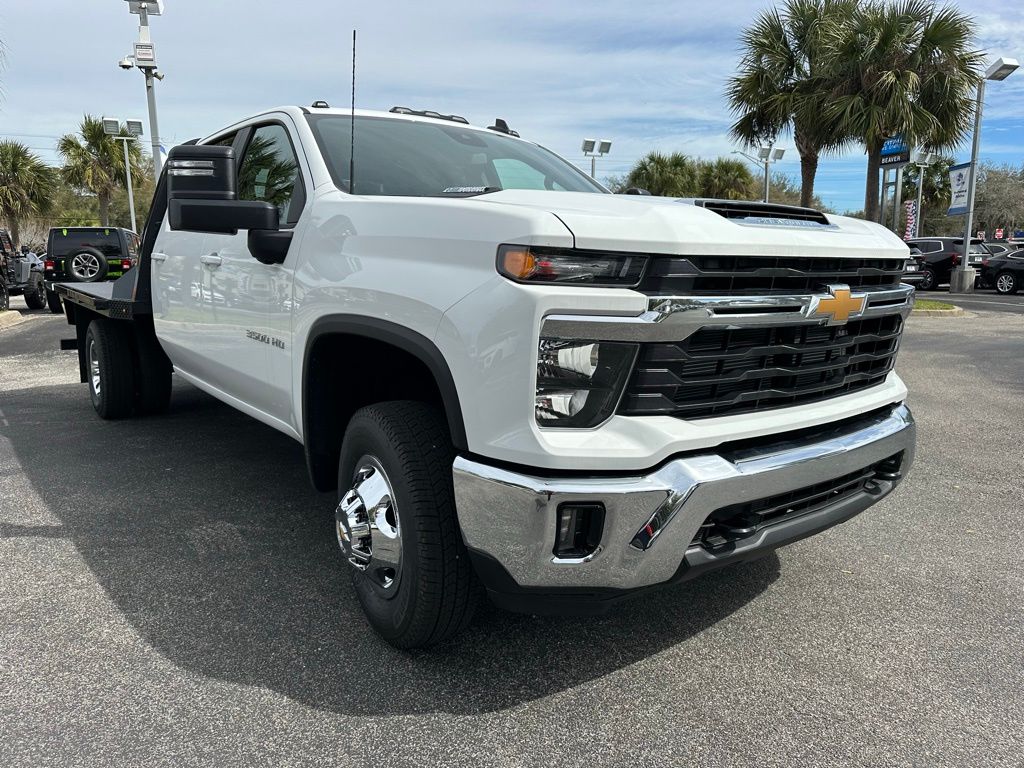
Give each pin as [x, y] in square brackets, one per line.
[88, 255]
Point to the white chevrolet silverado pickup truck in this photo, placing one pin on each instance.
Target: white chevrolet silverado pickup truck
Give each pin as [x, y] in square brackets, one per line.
[515, 380]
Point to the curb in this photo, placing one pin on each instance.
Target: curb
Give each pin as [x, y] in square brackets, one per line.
[954, 312]
[9, 318]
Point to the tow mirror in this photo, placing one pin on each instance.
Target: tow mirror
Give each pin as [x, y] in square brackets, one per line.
[202, 192]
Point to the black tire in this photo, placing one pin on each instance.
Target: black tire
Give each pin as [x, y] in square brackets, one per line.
[5, 298]
[110, 368]
[36, 298]
[929, 280]
[85, 265]
[153, 376]
[436, 591]
[54, 303]
[1007, 283]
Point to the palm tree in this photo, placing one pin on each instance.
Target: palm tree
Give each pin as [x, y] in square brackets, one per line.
[905, 68]
[264, 175]
[727, 179]
[94, 160]
[673, 175]
[783, 82]
[27, 186]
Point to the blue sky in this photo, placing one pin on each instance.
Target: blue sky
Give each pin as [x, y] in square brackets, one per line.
[647, 75]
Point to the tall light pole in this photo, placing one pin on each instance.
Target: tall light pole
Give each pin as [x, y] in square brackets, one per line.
[112, 127]
[144, 58]
[962, 279]
[922, 161]
[595, 148]
[765, 155]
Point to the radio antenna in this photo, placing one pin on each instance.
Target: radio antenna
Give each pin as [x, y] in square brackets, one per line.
[352, 123]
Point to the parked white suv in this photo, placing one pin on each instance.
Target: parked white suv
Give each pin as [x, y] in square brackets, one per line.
[512, 377]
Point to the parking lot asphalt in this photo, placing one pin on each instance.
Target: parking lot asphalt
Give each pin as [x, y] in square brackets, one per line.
[170, 595]
[989, 301]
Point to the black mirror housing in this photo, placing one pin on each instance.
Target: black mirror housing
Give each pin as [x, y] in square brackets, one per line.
[201, 173]
[202, 193]
[224, 217]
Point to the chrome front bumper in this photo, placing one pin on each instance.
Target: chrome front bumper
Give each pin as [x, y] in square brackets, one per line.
[510, 518]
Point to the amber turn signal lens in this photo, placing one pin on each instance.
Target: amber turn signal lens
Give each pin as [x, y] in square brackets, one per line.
[518, 263]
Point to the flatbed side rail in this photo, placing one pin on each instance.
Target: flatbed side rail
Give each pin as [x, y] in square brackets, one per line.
[106, 303]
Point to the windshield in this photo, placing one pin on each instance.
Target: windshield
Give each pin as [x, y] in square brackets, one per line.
[426, 159]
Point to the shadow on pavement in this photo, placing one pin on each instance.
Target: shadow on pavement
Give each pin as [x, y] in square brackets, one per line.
[203, 530]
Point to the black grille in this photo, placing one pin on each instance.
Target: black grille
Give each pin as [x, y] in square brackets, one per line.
[719, 371]
[737, 521]
[746, 275]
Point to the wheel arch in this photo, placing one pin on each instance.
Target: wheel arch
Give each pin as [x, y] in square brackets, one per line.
[324, 418]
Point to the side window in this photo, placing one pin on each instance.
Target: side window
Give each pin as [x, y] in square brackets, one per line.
[133, 244]
[224, 141]
[270, 172]
[932, 246]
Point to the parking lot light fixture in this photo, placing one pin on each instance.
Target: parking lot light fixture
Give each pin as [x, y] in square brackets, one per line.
[1001, 69]
[922, 160]
[595, 148]
[144, 57]
[112, 127]
[962, 280]
[765, 156]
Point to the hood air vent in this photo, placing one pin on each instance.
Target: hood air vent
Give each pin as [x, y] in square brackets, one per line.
[765, 213]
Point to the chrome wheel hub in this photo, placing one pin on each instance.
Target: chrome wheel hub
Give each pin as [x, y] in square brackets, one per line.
[85, 266]
[94, 369]
[1004, 283]
[367, 526]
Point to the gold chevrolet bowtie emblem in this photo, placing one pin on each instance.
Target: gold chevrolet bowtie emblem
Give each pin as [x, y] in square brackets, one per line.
[839, 306]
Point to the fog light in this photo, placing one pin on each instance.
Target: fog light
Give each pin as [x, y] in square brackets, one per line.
[579, 382]
[580, 527]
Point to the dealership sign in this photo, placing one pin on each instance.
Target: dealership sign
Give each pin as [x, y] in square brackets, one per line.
[895, 152]
[959, 179]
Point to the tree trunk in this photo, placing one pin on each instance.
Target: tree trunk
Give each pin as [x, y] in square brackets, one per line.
[871, 208]
[808, 166]
[808, 169]
[104, 198]
[15, 226]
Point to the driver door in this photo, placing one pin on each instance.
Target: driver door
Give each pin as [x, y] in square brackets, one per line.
[242, 294]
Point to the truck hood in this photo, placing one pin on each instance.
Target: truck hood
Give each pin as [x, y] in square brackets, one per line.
[677, 226]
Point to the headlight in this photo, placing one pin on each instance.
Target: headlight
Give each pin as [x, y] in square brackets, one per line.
[579, 382]
[566, 266]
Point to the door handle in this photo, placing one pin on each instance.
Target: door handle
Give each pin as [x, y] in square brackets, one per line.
[157, 256]
[211, 260]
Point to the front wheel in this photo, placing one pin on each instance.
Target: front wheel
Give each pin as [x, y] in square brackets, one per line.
[1007, 283]
[5, 298]
[397, 526]
[929, 280]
